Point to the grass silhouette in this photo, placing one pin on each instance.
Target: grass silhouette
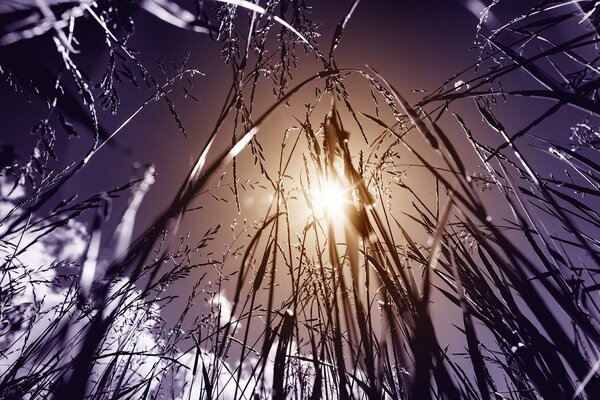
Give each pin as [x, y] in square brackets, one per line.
[355, 298]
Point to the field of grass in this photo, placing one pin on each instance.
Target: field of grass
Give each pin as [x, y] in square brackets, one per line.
[376, 246]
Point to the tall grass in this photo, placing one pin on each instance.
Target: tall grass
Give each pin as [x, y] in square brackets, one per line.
[486, 249]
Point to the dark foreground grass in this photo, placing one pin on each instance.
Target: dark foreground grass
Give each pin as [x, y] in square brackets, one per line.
[345, 304]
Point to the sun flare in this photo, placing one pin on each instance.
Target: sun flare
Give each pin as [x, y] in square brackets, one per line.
[330, 200]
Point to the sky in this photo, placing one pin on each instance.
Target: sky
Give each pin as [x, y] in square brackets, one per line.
[416, 45]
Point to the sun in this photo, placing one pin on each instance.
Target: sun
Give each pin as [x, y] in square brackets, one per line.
[330, 200]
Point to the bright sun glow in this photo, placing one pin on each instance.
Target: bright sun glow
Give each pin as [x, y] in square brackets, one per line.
[330, 200]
